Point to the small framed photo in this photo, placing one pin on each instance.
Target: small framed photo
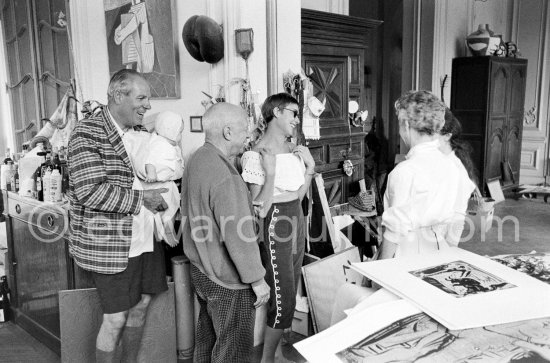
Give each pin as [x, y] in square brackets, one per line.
[196, 123]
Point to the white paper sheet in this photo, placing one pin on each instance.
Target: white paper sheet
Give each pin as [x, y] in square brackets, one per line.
[398, 332]
[460, 289]
[323, 346]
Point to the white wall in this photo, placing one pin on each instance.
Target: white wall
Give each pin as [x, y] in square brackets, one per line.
[531, 32]
[6, 132]
[454, 20]
[329, 6]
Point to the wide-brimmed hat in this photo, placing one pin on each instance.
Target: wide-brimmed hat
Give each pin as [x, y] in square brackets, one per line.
[203, 38]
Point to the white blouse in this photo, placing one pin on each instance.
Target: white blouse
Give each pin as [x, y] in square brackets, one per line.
[289, 171]
[425, 200]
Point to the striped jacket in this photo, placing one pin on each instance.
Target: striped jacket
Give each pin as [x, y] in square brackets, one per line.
[101, 198]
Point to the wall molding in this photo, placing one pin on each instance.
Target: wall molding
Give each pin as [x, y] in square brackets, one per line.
[271, 30]
[439, 49]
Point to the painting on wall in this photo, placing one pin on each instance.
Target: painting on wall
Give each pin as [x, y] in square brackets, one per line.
[140, 36]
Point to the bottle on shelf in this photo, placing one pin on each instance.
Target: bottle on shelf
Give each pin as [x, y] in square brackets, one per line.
[55, 186]
[7, 157]
[15, 178]
[38, 190]
[8, 176]
[56, 161]
[46, 184]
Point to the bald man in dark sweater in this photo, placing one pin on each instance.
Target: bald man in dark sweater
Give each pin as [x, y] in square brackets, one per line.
[219, 239]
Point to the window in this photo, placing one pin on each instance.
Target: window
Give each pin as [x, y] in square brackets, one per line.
[38, 61]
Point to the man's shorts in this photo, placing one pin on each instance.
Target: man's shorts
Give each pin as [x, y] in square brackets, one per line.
[145, 274]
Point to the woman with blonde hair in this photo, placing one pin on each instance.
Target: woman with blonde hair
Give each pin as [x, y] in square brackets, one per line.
[426, 197]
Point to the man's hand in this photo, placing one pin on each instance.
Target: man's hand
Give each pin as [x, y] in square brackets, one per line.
[262, 293]
[152, 200]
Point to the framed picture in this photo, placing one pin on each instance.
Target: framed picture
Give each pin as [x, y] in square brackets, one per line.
[140, 36]
[196, 123]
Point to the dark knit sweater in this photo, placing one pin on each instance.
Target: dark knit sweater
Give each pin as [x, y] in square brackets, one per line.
[218, 221]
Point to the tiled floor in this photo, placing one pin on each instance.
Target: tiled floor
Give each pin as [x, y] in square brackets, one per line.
[530, 216]
[17, 346]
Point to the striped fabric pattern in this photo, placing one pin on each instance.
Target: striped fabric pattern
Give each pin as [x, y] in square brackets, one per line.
[101, 198]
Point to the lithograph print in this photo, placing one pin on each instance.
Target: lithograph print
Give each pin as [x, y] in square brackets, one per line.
[460, 279]
[397, 332]
[536, 265]
[419, 338]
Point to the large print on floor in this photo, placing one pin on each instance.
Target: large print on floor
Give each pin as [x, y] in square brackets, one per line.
[460, 289]
[396, 331]
[460, 279]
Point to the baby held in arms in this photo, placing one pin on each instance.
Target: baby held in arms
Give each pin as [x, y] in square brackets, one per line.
[157, 162]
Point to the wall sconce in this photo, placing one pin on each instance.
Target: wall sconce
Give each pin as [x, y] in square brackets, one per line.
[244, 39]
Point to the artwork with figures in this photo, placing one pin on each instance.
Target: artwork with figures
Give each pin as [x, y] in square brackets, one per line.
[419, 337]
[460, 279]
[140, 36]
[460, 289]
[396, 331]
[536, 265]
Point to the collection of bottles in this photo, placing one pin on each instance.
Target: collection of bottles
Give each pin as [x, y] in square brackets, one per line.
[9, 173]
[50, 180]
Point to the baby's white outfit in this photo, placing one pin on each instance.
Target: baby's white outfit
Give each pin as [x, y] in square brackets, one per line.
[150, 148]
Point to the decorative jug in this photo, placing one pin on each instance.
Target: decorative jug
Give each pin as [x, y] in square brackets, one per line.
[482, 41]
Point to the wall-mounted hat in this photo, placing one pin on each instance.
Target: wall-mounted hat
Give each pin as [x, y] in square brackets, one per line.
[203, 38]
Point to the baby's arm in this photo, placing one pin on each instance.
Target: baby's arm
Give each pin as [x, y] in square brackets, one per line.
[150, 173]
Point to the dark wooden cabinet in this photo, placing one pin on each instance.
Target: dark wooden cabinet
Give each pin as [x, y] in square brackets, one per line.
[487, 96]
[336, 50]
[39, 266]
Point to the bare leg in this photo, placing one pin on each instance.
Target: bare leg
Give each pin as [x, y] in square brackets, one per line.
[109, 335]
[272, 337]
[131, 337]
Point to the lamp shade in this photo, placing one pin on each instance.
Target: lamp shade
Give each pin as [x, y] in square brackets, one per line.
[244, 39]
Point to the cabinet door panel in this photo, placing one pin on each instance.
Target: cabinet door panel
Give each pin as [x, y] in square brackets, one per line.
[517, 89]
[41, 271]
[513, 144]
[499, 89]
[495, 144]
[329, 76]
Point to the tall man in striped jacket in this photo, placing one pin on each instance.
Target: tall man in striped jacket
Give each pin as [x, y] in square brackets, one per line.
[125, 271]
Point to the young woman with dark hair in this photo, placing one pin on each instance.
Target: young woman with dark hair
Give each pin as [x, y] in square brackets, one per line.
[451, 142]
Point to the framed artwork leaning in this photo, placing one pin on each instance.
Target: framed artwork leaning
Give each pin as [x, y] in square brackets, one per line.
[140, 36]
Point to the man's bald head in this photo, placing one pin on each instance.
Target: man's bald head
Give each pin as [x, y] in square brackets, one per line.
[220, 115]
[226, 127]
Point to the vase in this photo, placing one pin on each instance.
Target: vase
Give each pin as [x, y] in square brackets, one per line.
[482, 42]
